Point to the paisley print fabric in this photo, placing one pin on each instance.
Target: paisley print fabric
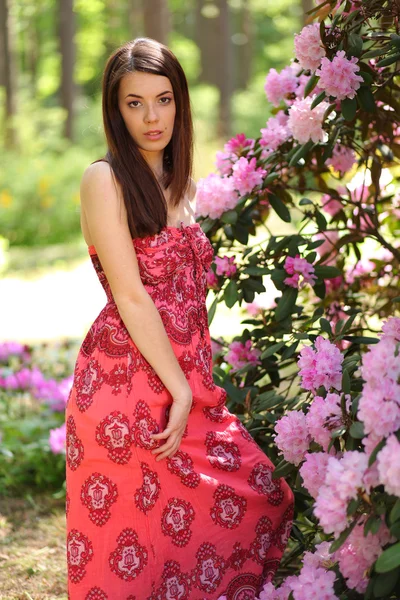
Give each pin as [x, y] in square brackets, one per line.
[207, 522]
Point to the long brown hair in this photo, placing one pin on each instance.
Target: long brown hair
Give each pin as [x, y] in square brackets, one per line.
[143, 197]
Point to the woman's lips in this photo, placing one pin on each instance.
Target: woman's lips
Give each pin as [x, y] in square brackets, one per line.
[153, 136]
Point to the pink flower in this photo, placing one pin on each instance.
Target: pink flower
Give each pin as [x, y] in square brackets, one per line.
[306, 124]
[342, 159]
[57, 439]
[279, 85]
[224, 162]
[325, 415]
[293, 438]
[391, 329]
[238, 143]
[215, 195]
[343, 479]
[246, 176]
[232, 150]
[328, 248]
[313, 471]
[217, 347]
[338, 77]
[331, 205]
[308, 47]
[321, 366]
[275, 132]
[8, 349]
[358, 553]
[212, 279]
[240, 355]
[299, 266]
[314, 584]
[388, 461]
[225, 265]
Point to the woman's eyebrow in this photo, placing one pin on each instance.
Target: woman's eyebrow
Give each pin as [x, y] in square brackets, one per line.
[141, 97]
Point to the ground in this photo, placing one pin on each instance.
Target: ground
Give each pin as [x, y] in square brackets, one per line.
[32, 549]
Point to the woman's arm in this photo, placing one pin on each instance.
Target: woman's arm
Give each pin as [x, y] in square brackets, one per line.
[106, 218]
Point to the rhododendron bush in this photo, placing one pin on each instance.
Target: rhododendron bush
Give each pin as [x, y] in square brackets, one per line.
[315, 374]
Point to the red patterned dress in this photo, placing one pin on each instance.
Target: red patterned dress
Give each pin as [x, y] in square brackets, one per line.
[207, 522]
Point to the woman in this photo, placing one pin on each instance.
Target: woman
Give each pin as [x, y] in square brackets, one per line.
[168, 495]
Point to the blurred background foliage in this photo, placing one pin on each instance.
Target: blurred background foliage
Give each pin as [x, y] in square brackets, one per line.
[51, 66]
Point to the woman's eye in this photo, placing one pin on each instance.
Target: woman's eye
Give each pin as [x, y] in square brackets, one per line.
[164, 98]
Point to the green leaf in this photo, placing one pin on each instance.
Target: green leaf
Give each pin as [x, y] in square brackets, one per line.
[230, 216]
[346, 383]
[231, 293]
[272, 350]
[348, 107]
[286, 303]
[305, 201]
[311, 83]
[325, 326]
[255, 270]
[375, 451]
[384, 584]
[301, 152]
[318, 99]
[357, 430]
[212, 309]
[389, 60]
[395, 530]
[352, 506]
[361, 339]
[376, 52]
[389, 559]
[326, 272]
[342, 537]
[395, 512]
[282, 469]
[279, 207]
[321, 221]
[355, 45]
[366, 99]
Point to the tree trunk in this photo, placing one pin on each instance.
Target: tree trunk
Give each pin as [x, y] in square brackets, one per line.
[223, 59]
[67, 48]
[306, 5]
[244, 51]
[156, 19]
[136, 18]
[8, 72]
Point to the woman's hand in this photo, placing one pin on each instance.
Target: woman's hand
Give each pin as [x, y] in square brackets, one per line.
[177, 420]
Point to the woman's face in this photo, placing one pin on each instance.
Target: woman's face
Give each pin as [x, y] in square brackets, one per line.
[146, 102]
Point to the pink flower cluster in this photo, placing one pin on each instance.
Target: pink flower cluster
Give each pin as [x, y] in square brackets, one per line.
[275, 133]
[308, 47]
[32, 380]
[57, 439]
[280, 85]
[246, 175]
[388, 464]
[342, 159]
[325, 415]
[225, 265]
[215, 195]
[232, 150]
[293, 437]
[322, 366]
[239, 355]
[314, 582]
[379, 405]
[391, 329]
[299, 266]
[305, 123]
[358, 554]
[338, 77]
[8, 349]
[343, 479]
